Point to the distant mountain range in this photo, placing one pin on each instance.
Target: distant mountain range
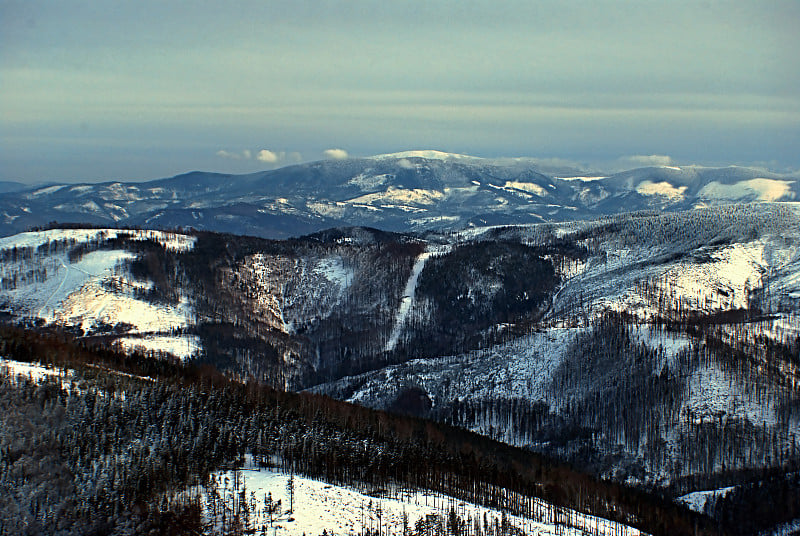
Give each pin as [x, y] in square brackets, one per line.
[414, 190]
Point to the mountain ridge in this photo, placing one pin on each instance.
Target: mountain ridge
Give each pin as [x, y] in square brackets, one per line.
[407, 191]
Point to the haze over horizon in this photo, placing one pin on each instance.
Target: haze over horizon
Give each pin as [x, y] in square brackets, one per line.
[143, 90]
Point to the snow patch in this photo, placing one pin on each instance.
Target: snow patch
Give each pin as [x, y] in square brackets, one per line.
[172, 241]
[416, 196]
[582, 179]
[319, 506]
[369, 182]
[93, 305]
[526, 187]
[698, 500]
[334, 270]
[663, 188]
[715, 394]
[762, 189]
[48, 190]
[33, 371]
[182, 346]
[429, 154]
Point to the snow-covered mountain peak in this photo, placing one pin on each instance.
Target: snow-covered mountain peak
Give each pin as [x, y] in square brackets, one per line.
[428, 153]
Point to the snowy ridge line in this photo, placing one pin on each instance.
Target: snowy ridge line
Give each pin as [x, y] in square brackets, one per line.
[429, 154]
[171, 240]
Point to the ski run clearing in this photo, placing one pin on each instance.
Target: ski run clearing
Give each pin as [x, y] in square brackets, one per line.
[93, 292]
[323, 508]
[408, 295]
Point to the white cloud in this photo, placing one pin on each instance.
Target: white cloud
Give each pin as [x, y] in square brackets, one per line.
[247, 154]
[229, 154]
[265, 155]
[648, 160]
[335, 154]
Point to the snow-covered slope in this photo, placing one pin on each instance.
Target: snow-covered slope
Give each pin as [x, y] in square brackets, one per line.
[45, 275]
[320, 507]
[727, 265]
[621, 344]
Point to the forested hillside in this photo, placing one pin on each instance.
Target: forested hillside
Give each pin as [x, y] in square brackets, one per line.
[104, 442]
[657, 350]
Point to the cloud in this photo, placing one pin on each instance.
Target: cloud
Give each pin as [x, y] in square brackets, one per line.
[335, 154]
[647, 160]
[265, 155]
[233, 156]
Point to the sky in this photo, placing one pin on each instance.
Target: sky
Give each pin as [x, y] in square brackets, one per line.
[140, 90]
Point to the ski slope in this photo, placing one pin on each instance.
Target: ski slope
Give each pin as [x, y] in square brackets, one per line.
[409, 292]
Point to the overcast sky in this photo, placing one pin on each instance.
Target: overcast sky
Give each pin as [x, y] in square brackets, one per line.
[146, 89]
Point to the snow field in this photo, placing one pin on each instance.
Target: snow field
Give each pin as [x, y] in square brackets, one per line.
[183, 346]
[697, 500]
[80, 293]
[733, 272]
[319, 506]
[92, 304]
[33, 371]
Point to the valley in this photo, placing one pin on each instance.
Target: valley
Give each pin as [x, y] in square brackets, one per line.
[653, 350]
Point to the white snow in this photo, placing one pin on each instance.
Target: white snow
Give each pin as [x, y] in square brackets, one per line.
[404, 196]
[47, 190]
[171, 241]
[331, 210]
[182, 346]
[582, 179]
[715, 394]
[365, 181]
[763, 189]
[33, 371]
[520, 368]
[663, 188]
[697, 500]
[81, 189]
[526, 187]
[734, 270]
[319, 506]
[93, 304]
[334, 270]
[93, 265]
[429, 154]
[408, 296]
[789, 528]
[434, 219]
[92, 291]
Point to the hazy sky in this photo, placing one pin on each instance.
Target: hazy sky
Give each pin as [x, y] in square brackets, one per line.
[146, 89]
